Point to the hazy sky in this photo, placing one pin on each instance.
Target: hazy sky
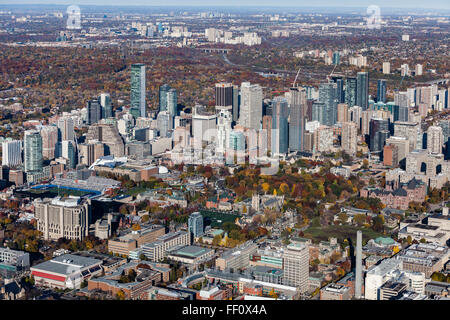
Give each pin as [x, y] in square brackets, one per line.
[432, 4]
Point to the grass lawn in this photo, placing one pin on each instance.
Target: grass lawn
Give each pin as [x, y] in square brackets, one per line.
[340, 232]
[217, 218]
[136, 190]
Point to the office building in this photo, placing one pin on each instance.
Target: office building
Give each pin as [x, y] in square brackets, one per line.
[49, 136]
[68, 152]
[379, 132]
[195, 224]
[401, 113]
[33, 151]
[350, 92]
[12, 153]
[236, 258]
[89, 152]
[280, 130]
[296, 266]
[203, 126]
[138, 106]
[157, 250]
[224, 120]
[163, 90]
[94, 111]
[381, 90]
[328, 96]
[172, 103]
[297, 119]
[63, 217]
[106, 106]
[224, 94]
[109, 136]
[250, 113]
[362, 90]
[358, 269]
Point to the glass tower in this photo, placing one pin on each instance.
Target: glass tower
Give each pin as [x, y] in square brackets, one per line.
[362, 90]
[138, 90]
[33, 151]
[280, 127]
[350, 92]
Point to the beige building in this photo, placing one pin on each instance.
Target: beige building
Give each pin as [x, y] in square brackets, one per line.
[109, 135]
[349, 137]
[63, 217]
[296, 266]
[134, 239]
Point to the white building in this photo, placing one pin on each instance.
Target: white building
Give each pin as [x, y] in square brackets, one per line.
[296, 266]
[12, 153]
[251, 106]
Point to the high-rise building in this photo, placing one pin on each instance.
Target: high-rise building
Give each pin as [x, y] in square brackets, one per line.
[138, 107]
[328, 96]
[236, 103]
[224, 94]
[109, 136]
[12, 153]
[195, 224]
[66, 129]
[164, 123]
[172, 102]
[69, 152]
[280, 130]
[49, 136]
[33, 151]
[358, 269]
[349, 137]
[224, 120]
[250, 114]
[342, 113]
[379, 132]
[323, 139]
[163, 90]
[404, 70]
[106, 106]
[63, 218]
[94, 111]
[340, 88]
[203, 126]
[296, 266]
[435, 139]
[381, 90]
[419, 70]
[297, 118]
[362, 90]
[90, 152]
[401, 113]
[350, 92]
[386, 68]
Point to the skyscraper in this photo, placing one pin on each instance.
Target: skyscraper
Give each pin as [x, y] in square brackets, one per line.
[401, 113]
[296, 266]
[94, 111]
[328, 96]
[224, 94]
[279, 125]
[358, 269]
[163, 97]
[66, 127]
[106, 105]
[435, 139]
[250, 115]
[33, 151]
[138, 90]
[386, 68]
[340, 88]
[236, 103]
[12, 153]
[172, 102]
[49, 136]
[379, 132]
[350, 92]
[69, 152]
[224, 119]
[381, 90]
[342, 112]
[349, 137]
[297, 119]
[362, 90]
[195, 224]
